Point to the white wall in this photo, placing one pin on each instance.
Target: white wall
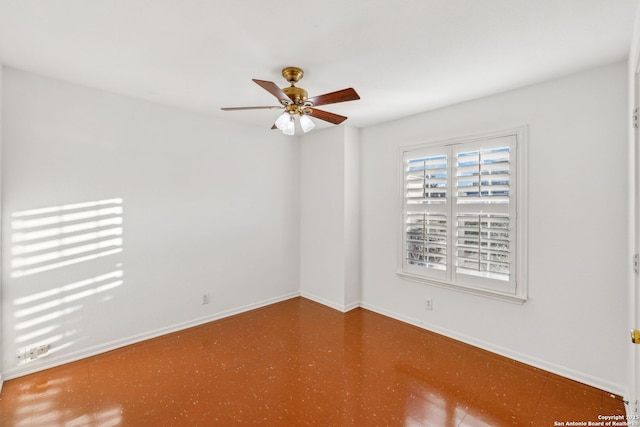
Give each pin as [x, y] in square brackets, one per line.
[329, 229]
[352, 217]
[322, 217]
[1, 252]
[574, 322]
[207, 207]
[633, 304]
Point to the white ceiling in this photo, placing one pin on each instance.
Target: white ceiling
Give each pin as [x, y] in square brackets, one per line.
[403, 56]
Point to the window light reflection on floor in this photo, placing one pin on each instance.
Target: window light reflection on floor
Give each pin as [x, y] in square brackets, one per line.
[46, 409]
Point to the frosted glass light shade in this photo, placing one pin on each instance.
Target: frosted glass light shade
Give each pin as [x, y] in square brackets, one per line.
[290, 127]
[306, 123]
[283, 120]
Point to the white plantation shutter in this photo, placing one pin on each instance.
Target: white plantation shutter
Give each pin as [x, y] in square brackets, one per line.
[485, 213]
[427, 240]
[426, 175]
[460, 223]
[483, 175]
[483, 244]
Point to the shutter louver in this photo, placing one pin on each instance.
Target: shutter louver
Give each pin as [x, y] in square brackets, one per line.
[426, 240]
[426, 180]
[483, 176]
[483, 245]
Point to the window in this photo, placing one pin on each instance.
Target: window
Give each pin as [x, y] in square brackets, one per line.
[460, 222]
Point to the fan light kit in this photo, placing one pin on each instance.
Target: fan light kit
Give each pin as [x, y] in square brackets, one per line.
[298, 106]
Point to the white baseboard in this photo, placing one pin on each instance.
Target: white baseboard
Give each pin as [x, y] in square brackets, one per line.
[53, 361]
[563, 371]
[351, 306]
[331, 304]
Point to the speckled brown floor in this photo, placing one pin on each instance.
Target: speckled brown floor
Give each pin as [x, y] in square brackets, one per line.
[300, 363]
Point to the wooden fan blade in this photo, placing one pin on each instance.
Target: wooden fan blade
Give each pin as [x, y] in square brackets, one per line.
[273, 89]
[334, 97]
[336, 119]
[251, 108]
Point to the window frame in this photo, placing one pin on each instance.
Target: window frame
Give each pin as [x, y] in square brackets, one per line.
[517, 292]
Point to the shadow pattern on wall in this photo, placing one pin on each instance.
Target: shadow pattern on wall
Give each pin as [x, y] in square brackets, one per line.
[62, 263]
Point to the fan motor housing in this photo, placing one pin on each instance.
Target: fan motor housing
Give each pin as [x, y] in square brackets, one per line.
[297, 94]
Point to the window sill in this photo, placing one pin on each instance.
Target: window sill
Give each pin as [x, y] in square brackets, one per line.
[514, 299]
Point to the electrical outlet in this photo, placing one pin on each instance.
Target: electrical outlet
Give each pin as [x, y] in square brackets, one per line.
[205, 298]
[25, 354]
[32, 353]
[42, 350]
[428, 304]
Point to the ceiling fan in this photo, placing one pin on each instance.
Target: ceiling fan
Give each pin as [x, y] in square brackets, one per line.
[296, 103]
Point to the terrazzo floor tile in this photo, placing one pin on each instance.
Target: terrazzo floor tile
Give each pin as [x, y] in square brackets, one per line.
[298, 363]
